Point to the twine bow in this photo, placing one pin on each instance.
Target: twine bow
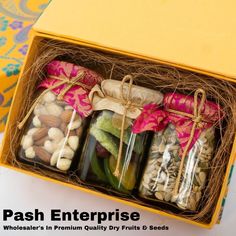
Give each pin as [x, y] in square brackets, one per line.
[61, 81]
[127, 103]
[197, 119]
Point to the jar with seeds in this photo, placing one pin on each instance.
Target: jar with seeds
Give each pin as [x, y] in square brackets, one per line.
[181, 150]
[112, 153]
[54, 124]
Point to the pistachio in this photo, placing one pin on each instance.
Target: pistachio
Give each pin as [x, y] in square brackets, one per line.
[202, 177]
[159, 195]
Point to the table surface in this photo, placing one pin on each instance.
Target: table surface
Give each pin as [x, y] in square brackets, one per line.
[20, 192]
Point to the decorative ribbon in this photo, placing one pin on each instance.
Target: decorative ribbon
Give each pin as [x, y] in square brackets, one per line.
[190, 116]
[70, 83]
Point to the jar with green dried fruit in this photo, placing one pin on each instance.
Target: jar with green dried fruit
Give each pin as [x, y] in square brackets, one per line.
[112, 153]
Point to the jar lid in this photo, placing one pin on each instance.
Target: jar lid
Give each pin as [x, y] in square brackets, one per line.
[108, 96]
[78, 81]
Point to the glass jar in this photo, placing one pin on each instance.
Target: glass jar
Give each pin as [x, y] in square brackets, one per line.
[111, 155]
[53, 134]
[181, 150]
[57, 117]
[100, 153]
[160, 174]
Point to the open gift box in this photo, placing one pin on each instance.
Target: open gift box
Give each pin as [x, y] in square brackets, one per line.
[193, 38]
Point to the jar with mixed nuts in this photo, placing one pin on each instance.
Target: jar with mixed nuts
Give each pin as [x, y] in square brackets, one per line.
[58, 116]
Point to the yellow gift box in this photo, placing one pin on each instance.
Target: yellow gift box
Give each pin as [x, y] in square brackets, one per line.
[16, 19]
[187, 34]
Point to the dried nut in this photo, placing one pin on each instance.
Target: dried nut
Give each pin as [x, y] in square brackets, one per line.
[161, 177]
[37, 122]
[69, 108]
[67, 115]
[49, 97]
[54, 158]
[73, 141]
[174, 198]
[62, 143]
[75, 124]
[42, 154]
[50, 120]
[50, 146]
[79, 131]
[162, 148]
[198, 196]
[65, 152]
[158, 195]
[41, 141]
[32, 131]
[40, 110]
[70, 132]
[167, 197]
[40, 133]
[63, 127]
[54, 109]
[63, 164]
[202, 177]
[159, 187]
[55, 134]
[27, 141]
[30, 153]
[193, 204]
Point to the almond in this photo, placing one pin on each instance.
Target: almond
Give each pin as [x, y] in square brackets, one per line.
[63, 127]
[42, 154]
[50, 120]
[41, 141]
[67, 115]
[71, 132]
[79, 131]
[40, 133]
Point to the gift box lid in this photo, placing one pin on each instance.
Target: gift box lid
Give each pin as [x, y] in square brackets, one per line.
[195, 34]
[16, 20]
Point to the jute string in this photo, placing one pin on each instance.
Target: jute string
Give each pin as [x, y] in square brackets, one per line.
[61, 81]
[127, 103]
[197, 119]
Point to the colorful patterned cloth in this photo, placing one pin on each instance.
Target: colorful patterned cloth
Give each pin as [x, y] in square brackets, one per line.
[16, 19]
[77, 95]
[155, 119]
